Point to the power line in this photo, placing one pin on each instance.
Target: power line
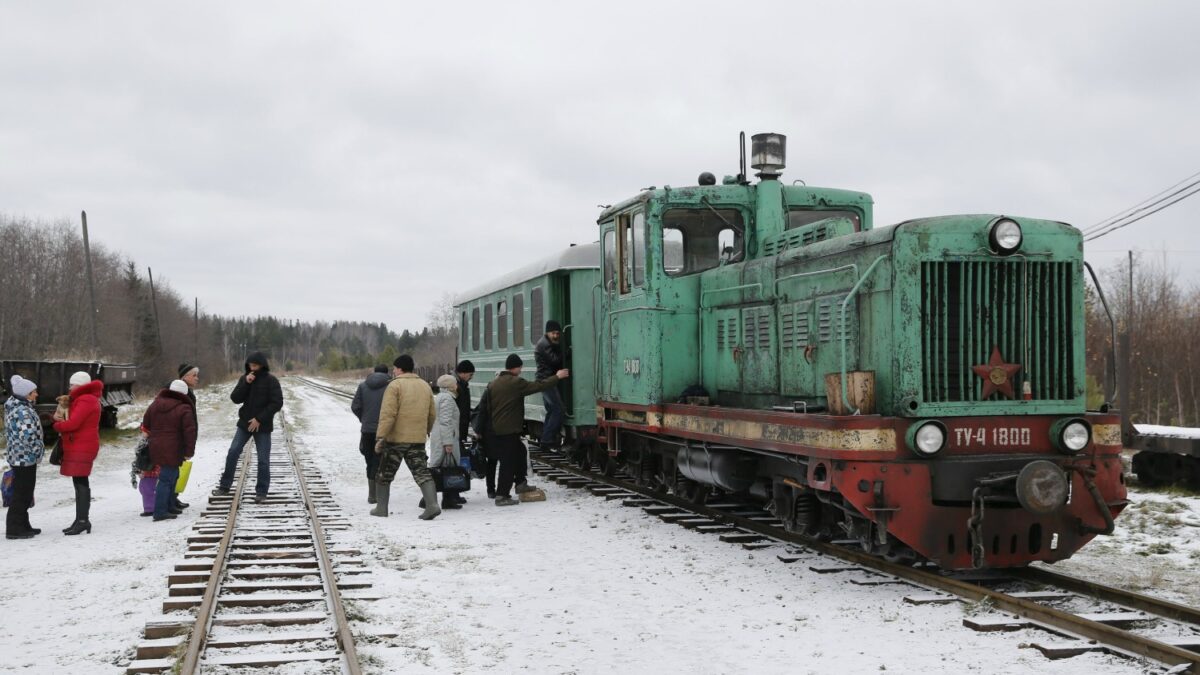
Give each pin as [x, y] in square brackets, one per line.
[1194, 188]
[1142, 205]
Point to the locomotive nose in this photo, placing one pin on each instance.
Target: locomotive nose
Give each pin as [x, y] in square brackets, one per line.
[1042, 487]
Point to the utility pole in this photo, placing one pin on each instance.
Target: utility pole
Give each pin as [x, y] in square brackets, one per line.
[87, 258]
[154, 304]
[196, 332]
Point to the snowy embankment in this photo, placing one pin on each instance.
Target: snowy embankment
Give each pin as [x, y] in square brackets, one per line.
[78, 604]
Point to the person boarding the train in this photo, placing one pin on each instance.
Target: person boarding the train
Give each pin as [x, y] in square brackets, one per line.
[506, 410]
[548, 356]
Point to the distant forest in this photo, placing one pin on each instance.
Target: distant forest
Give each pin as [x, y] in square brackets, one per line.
[44, 308]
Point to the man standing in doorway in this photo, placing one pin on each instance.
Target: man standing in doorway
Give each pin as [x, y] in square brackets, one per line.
[507, 395]
[261, 397]
[549, 358]
[405, 418]
[368, 399]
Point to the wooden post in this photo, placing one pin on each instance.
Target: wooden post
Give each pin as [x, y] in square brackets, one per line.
[87, 260]
[196, 332]
[154, 304]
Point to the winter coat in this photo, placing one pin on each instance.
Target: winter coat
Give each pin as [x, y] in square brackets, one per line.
[23, 430]
[81, 430]
[368, 399]
[260, 399]
[507, 395]
[407, 413]
[548, 357]
[171, 422]
[463, 399]
[445, 429]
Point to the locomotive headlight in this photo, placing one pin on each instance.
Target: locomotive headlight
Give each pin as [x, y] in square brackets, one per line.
[927, 439]
[1071, 435]
[1004, 236]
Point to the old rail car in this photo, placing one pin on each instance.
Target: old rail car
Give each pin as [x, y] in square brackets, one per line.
[52, 380]
[917, 388]
[508, 315]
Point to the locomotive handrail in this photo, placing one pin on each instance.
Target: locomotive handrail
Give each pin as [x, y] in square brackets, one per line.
[1112, 325]
[731, 288]
[851, 294]
[775, 286]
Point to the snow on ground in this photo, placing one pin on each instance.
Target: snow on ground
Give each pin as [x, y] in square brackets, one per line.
[581, 585]
[1154, 550]
[572, 585]
[78, 604]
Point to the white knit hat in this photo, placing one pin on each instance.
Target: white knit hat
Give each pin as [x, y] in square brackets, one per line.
[179, 387]
[22, 387]
[80, 378]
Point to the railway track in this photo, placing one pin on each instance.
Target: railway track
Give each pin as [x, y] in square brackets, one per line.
[1077, 615]
[261, 585]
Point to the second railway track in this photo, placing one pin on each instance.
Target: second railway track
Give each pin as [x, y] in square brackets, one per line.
[266, 581]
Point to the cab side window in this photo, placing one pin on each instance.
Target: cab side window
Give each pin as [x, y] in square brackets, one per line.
[610, 261]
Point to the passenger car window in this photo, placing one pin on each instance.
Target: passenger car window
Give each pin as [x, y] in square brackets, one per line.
[462, 332]
[535, 315]
[518, 319]
[487, 326]
[475, 329]
[502, 324]
[695, 240]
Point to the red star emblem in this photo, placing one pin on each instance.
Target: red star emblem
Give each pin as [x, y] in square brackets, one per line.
[997, 375]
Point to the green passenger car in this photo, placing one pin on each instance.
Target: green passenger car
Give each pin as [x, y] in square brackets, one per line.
[508, 316]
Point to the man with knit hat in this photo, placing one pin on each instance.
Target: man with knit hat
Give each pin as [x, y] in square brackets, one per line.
[506, 409]
[23, 431]
[549, 357]
[260, 395]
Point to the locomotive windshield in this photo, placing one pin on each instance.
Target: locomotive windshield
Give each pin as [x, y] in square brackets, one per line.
[697, 240]
[802, 217]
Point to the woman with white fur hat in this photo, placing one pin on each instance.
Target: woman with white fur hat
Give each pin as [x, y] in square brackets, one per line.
[81, 443]
[23, 431]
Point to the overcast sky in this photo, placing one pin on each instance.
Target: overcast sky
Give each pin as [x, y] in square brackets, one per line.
[359, 160]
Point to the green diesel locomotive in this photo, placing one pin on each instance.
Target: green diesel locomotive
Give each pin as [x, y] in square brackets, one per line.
[918, 388]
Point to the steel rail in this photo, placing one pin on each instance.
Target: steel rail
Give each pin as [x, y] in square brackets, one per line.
[1084, 628]
[333, 596]
[190, 664]
[1146, 603]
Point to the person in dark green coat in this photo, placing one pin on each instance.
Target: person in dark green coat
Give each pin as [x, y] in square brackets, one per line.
[506, 409]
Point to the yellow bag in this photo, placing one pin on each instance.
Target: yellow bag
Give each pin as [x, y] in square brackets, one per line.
[185, 470]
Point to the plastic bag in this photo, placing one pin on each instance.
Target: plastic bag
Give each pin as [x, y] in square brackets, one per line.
[185, 470]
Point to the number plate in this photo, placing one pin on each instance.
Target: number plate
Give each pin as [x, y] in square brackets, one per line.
[992, 437]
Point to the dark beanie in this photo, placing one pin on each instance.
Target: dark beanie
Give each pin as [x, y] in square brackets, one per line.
[552, 326]
[381, 368]
[405, 363]
[513, 361]
[464, 366]
[185, 368]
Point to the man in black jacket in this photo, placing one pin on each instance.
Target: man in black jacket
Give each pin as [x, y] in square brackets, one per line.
[368, 400]
[463, 372]
[549, 358]
[261, 397]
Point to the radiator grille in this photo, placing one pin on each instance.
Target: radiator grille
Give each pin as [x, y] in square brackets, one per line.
[1024, 308]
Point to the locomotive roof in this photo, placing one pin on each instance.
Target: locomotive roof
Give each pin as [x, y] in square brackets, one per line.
[582, 257]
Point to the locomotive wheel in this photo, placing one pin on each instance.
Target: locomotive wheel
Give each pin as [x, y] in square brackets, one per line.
[692, 491]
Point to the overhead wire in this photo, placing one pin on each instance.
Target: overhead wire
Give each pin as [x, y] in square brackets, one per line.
[1193, 189]
[1143, 204]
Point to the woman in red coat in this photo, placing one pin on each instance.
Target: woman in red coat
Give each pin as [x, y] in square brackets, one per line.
[81, 443]
[170, 422]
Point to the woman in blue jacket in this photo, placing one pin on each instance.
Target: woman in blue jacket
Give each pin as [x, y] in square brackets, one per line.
[26, 446]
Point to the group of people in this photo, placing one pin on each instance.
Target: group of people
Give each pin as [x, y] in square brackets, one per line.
[398, 414]
[79, 428]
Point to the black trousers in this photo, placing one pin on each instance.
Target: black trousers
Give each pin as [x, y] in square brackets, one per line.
[366, 446]
[510, 452]
[24, 481]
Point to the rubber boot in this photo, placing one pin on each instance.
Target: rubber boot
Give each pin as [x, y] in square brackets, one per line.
[83, 505]
[450, 501]
[370, 491]
[431, 502]
[383, 492]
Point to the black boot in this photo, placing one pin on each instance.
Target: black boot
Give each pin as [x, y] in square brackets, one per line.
[83, 505]
[450, 500]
